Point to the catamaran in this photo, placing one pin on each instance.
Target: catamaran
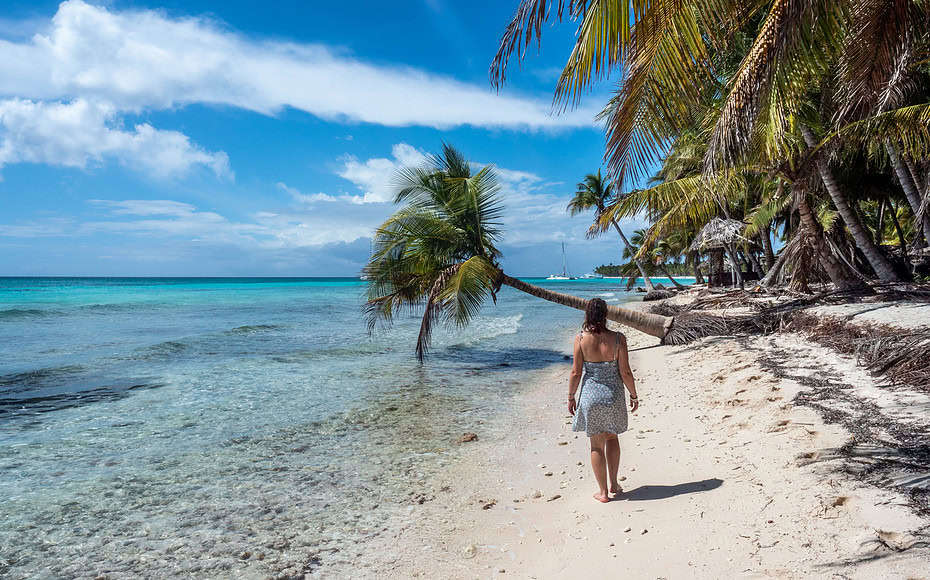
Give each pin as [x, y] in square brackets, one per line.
[564, 275]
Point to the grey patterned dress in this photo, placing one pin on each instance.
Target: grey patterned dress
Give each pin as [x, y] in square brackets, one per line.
[602, 402]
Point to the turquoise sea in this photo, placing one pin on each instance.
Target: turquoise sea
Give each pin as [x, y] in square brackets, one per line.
[166, 426]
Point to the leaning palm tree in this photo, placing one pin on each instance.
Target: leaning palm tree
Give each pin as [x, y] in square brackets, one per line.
[439, 252]
[597, 193]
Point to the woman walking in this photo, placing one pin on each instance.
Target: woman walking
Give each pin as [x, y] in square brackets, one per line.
[601, 358]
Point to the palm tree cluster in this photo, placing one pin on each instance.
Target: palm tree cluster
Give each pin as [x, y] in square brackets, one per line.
[804, 119]
[598, 194]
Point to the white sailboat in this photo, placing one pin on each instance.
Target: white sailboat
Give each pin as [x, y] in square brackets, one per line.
[564, 275]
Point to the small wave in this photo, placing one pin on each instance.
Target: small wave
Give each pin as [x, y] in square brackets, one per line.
[486, 329]
[119, 307]
[605, 294]
[253, 328]
[165, 349]
[106, 307]
[14, 313]
[29, 379]
[303, 356]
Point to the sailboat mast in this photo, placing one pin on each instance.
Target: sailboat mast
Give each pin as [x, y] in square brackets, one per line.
[564, 269]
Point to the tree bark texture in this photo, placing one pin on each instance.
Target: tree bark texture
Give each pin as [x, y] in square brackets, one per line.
[651, 324]
[883, 267]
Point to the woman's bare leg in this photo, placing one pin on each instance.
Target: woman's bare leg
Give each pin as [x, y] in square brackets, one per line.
[599, 465]
[612, 451]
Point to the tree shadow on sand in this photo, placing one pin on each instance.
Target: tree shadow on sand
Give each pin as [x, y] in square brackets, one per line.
[651, 492]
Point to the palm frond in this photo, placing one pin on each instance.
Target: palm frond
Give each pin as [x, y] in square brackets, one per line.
[433, 310]
[665, 84]
[760, 219]
[877, 65]
[794, 47]
[907, 127]
[525, 26]
[467, 289]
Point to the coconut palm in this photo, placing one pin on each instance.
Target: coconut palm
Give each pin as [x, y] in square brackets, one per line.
[439, 252]
[669, 247]
[784, 86]
[596, 193]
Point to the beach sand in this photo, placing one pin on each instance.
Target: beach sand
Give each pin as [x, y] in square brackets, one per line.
[724, 477]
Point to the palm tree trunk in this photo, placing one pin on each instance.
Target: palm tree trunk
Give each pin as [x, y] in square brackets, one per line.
[842, 278]
[754, 262]
[715, 261]
[914, 173]
[767, 247]
[664, 269]
[651, 324]
[880, 231]
[637, 261]
[772, 274]
[910, 187]
[897, 228]
[877, 259]
[734, 264]
[696, 264]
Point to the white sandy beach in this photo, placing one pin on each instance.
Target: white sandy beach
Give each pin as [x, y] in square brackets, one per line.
[724, 477]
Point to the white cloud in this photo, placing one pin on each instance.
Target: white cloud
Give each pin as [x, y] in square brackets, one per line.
[309, 198]
[375, 177]
[65, 89]
[288, 228]
[523, 179]
[172, 218]
[164, 207]
[49, 227]
[306, 230]
[145, 59]
[82, 133]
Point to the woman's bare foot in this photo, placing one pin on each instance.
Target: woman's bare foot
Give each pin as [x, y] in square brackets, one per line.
[616, 488]
[601, 497]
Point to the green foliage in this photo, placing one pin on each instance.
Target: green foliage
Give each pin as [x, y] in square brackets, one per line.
[439, 250]
[628, 269]
[755, 109]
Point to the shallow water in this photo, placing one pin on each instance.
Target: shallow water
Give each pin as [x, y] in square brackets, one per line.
[158, 427]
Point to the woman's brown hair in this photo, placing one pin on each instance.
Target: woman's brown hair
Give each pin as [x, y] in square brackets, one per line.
[595, 316]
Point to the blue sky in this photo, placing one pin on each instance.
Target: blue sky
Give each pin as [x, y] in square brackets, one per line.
[224, 139]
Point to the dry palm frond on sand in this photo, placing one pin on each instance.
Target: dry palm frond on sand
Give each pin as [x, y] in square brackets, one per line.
[901, 355]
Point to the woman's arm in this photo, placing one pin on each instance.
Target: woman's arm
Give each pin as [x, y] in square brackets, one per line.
[575, 377]
[626, 373]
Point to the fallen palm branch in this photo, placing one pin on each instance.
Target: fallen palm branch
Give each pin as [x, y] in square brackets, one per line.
[690, 326]
[903, 356]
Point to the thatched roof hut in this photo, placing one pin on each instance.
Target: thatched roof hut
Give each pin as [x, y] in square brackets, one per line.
[719, 233]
